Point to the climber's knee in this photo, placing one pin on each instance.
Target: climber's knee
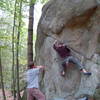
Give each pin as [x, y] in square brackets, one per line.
[64, 64]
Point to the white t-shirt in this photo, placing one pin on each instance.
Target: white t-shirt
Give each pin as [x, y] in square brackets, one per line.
[32, 76]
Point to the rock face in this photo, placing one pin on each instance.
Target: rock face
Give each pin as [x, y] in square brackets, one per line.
[76, 23]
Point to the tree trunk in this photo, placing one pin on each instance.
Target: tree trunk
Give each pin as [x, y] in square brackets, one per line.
[30, 39]
[30, 33]
[13, 56]
[17, 53]
[2, 84]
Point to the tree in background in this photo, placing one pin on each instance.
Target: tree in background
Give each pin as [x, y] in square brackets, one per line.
[13, 54]
[17, 50]
[30, 31]
[2, 84]
[13, 31]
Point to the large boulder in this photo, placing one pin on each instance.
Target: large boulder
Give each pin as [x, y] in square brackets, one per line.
[76, 23]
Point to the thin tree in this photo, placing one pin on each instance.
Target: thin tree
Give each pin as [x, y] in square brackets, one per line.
[30, 38]
[2, 84]
[30, 34]
[30, 28]
[13, 54]
[17, 51]
[30, 31]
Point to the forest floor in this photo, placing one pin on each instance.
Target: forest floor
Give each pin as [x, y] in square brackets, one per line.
[8, 95]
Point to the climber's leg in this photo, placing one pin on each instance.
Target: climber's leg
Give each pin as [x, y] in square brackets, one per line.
[64, 65]
[79, 65]
[63, 69]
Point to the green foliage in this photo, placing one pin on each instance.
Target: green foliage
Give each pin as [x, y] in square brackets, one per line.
[35, 1]
[32, 1]
[7, 5]
[44, 1]
[6, 26]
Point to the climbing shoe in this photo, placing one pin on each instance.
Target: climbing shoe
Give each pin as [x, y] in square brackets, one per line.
[87, 73]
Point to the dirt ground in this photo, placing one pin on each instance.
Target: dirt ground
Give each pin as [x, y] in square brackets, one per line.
[8, 95]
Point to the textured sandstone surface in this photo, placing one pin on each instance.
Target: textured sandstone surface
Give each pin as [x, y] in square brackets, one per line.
[76, 23]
